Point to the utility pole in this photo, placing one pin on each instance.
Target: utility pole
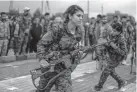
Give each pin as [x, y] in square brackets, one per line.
[87, 26]
[48, 6]
[102, 9]
[88, 9]
[11, 5]
[42, 6]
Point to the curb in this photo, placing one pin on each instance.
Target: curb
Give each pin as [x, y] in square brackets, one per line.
[8, 59]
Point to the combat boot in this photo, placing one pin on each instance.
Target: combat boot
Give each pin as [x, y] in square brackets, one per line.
[102, 80]
[121, 82]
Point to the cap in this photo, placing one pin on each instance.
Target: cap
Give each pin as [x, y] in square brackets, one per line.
[26, 8]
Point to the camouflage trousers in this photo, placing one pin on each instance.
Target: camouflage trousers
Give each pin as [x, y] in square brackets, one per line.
[3, 47]
[110, 70]
[128, 43]
[62, 84]
[133, 52]
[101, 56]
[13, 44]
[22, 43]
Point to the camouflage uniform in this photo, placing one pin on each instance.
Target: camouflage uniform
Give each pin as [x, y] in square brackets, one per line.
[4, 37]
[25, 26]
[97, 27]
[127, 31]
[16, 38]
[105, 30]
[59, 39]
[91, 34]
[13, 43]
[133, 46]
[115, 57]
[97, 30]
[12, 28]
[47, 22]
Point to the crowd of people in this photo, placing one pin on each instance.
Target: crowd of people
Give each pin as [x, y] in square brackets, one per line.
[99, 28]
[20, 33]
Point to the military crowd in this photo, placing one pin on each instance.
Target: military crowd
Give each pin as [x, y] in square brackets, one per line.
[99, 29]
[103, 31]
[21, 33]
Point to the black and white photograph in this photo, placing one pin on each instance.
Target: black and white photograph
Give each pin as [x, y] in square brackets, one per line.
[68, 45]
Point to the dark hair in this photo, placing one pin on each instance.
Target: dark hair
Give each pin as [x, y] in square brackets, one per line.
[103, 16]
[123, 17]
[117, 27]
[3, 13]
[71, 10]
[92, 17]
[99, 15]
[46, 13]
[115, 16]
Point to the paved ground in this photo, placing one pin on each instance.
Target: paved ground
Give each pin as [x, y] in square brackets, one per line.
[84, 77]
[21, 68]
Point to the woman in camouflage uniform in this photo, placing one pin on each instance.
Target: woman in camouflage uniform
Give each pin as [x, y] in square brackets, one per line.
[117, 51]
[63, 39]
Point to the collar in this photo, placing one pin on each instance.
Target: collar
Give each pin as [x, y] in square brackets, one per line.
[65, 25]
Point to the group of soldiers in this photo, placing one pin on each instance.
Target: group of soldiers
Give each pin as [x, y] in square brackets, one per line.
[13, 30]
[19, 34]
[98, 31]
[123, 31]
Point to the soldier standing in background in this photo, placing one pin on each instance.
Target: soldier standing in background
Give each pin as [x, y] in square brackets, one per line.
[14, 31]
[35, 33]
[25, 26]
[91, 33]
[4, 34]
[16, 35]
[127, 32]
[47, 20]
[97, 31]
[10, 44]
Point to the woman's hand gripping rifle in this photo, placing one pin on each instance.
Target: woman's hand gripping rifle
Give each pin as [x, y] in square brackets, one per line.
[50, 73]
[88, 49]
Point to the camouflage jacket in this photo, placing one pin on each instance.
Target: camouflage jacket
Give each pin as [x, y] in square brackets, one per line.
[58, 39]
[117, 54]
[4, 29]
[25, 24]
[97, 30]
[105, 30]
[127, 30]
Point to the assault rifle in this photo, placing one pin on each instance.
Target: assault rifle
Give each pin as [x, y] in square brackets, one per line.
[52, 74]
